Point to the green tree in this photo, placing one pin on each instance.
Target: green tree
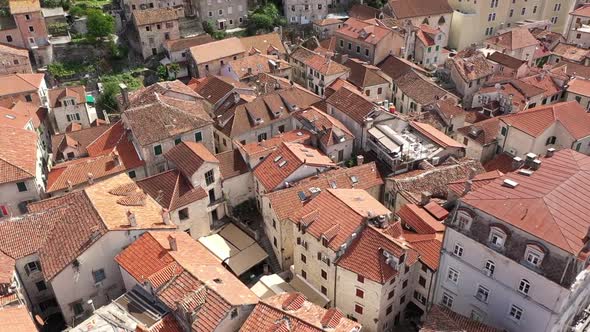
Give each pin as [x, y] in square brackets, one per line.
[99, 24]
[174, 68]
[162, 72]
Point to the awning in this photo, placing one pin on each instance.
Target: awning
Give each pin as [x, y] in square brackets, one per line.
[271, 285]
[235, 248]
[90, 99]
[312, 294]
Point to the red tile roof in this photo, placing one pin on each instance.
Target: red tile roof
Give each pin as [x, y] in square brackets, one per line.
[271, 314]
[435, 135]
[17, 319]
[171, 189]
[583, 11]
[79, 139]
[437, 211]
[286, 201]
[166, 324]
[427, 247]
[579, 86]
[189, 157]
[352, 103]
[480, 180]
[18, 156]
[264, 148]
[484, 132]
[360, 30]
[7, 269]
[535, 121]
[546, 204]
[20, 83]
[76, 92]
[419, 220]
[365, 256]
[285, 160]
[330, 130]
[418, 8]
[441, 319]
[231, 164]
[514, 39]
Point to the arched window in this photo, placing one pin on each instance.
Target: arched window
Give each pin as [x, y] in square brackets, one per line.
[524, 286]
[534, 255]
[497, 237]
[463, 220]
[489, 268]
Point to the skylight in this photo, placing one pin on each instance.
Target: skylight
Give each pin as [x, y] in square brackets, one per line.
[277, 158]
[301, 195]
[282, 163]
[354, 179]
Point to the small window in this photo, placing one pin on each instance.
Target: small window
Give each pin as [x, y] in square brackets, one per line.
[274, 222]
[379, 91]
[405, 284]
[515, 312]
[29, 98]
[402, 300]
[551, 140]
[360, 293]
[177, 140]
[482, 294]
[31, 29]
[463, 220]
[458, 250]
[234, 313]
[41, 286]
[98, 275]
[422, 281]
[209, 177]
[198, 136]
[22, 187]
[489, 268]
[9, 39]
[524, 286]
[388, 310]
[324, 275]
[360, 278]
[303, 258]
[262, 137]
[324, 290]
[533, 256]
[390, 295]
[183, 214]
[132, 174]
[447, 300]
[358, 309]
[497, 237]
[453, 275]
[158, 150]
[304, 274]
[77, 308]
[366, 52]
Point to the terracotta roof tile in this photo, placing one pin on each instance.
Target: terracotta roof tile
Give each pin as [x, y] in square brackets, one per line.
[352, 103]
[189, 156]
[80, 139]
[18, 156]
[419, 219]
[440, 319]
[435, 135]
[363, 12]
[13, 50]
[579, 86]
[427, 247]
[415, 8]
[182, 44]
[420, 88]
[330, 130]
[327, 21]
[7, 269]
[264, 148]
[360, 30]
[570, 52]
[583, 11]
[171, 189]
[545, 204]
[255, 64]
[472, 65]
[231, 164]
[514, 39]
[263, 42]
[285, 160]
[483, 132]
[76, 92]
[20, 83]
[364, 75]
[287, 201]
[17, 319]
[270, 315]
[154, 15]
[506, 60]
[24, 6]
[217, 50]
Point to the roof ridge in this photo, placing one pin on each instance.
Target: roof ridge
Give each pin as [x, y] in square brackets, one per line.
[175, 191]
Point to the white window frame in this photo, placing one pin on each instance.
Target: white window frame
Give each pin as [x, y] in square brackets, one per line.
[458, 250]
[524, 287]
[497, 237]
[531, 251]
[515, 313]
[447, 300]
[485, 293]
[464, 220]
[453, 275]
[489, 268]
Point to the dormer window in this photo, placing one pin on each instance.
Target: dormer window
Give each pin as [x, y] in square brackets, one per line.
[464, 220]
[533, 255]
[497, 237]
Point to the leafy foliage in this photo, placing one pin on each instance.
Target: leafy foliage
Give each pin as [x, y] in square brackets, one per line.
[264, 19]
[65, 70]
[99, 24]
[108, 99]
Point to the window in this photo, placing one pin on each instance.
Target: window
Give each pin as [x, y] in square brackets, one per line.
[418, 296]
[422, 281]
[489, 268]
[183, 214]
[388, 310]
[360, 293]
[158, 150]
[234, 313]
[41, 286]
[262, 137]
[274, 222]
[482, 293]
[402, 300]
[406, 269]
[551, 140]
[463, 220]
[497, 237]
[304, 274]
[524, 286]
[209, 177]
[31, 29]
[379, 91]
[458, 250]
[447, 300]
[77, 308]
[533, 257]
[511, 13]
[360, 278]
[132, 174]
[358, 309]
[22, 187]
[210, 14]
[320, 6]
[453, 275]
[303, 258]
[341, 43]
[177, 140]
[274, 241]
[9, 39]
[358, 49]
[515, 312]
[15, 61]
[169, 25]
[349, 46]
[405, 284]
[390, 295]
[98, 275]
[503, 131]
[324, 275]
[220, 12]
[578, 146]
[282, 128]
[198, 136]
[534, 9]
[523, 11]
[368, 92]
[366, 52]
[324, 290]
[147, 28]
[73, 117]
[158, 26]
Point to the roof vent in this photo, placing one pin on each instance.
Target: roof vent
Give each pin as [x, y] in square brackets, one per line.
[282, 163]
[550, 152]
[536, 164]
[526, 172]
[131, 219]
[354, 179]
[510, 183]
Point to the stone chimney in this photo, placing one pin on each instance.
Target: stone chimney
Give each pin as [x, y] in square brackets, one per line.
[131, 218]
[516, 163]
[124, 94]
[425, 198]
[70, 186]
[468, 185]
[550, 152]
[172, 243]
[166, 217]
[471, 173]
[90, 177]
[360, 160]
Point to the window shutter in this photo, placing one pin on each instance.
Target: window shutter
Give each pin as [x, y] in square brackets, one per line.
[298, 241]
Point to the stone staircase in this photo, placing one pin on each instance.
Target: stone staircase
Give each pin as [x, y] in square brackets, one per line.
[190, 26]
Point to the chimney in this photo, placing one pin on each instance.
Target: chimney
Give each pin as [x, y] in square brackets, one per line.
[471, 173]
[116, 158]
[166, 217]
[529, 158]
[516, 163]
[70, 187]
[550, 152]
[360, 160]
[124, 94]
[131, 219]
[172, 243]
[467, 188]
[90, 177]
[425, 198]
[535, 164]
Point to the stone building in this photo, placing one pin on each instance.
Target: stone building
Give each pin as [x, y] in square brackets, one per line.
[154, 28]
